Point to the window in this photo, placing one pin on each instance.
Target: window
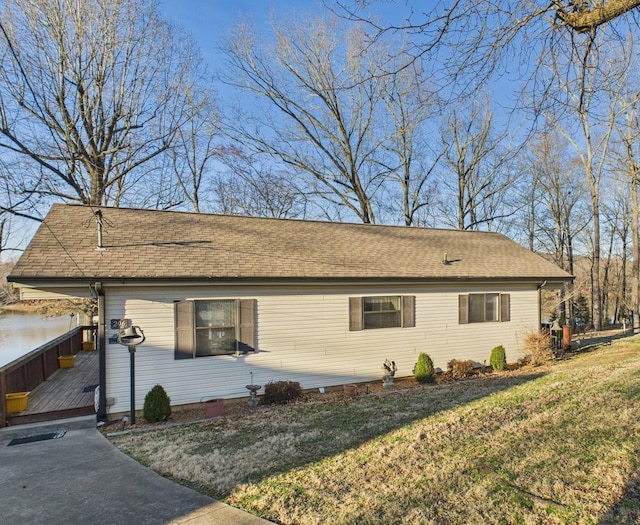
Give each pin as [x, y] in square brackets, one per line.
[381, 312]
[209, 328]
[215, 327]
[483, 308]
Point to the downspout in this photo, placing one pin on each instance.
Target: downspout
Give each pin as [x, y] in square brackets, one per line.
[542, 285]
[102, 354]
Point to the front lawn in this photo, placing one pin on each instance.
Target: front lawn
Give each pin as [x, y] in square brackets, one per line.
[558, 444]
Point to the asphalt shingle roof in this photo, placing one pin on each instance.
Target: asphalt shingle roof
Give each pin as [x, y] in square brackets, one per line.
[149, 244]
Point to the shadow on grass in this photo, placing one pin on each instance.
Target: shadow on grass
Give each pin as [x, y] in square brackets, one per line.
[627, 509]
[603, 338]
[328, 427]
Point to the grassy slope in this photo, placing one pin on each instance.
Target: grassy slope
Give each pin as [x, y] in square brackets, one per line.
[553, 445]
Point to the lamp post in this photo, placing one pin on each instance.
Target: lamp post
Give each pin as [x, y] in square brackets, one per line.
[131, 337]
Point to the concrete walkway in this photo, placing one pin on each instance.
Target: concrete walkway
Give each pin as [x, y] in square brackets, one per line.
[81, 478]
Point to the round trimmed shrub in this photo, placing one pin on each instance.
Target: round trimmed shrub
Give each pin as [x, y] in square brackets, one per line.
[281, 392]
[460, 368]
[157, 405]
[498, 358]
[424, 370]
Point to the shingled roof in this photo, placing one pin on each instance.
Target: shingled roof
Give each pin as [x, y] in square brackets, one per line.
[149, 244]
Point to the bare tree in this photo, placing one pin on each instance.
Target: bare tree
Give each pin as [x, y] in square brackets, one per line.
[626, 161]
[196, 147]
[584, 109]
[249, 187]
[8, 293]
[410, 107]
[617, 225]
[488, 36]
[322, 83]
[89, 95]
[558, 200]
[478, 161]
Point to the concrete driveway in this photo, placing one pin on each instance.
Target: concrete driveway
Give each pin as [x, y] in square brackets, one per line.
[81, 478]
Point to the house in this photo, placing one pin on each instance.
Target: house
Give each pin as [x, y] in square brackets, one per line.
[222, 297]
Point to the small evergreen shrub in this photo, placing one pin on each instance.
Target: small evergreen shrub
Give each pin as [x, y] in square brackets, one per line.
[498, 358]
[281, 392]
[157, 405]
[460, 368]
[537, 345]
[424, 371]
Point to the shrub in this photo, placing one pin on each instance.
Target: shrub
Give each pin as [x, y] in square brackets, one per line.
[498, 358]
[157, 405]
[460, 368]
[537, 344]
[281, 392]
[424, 370]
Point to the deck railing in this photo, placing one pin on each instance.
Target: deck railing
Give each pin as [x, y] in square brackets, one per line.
[28, 371]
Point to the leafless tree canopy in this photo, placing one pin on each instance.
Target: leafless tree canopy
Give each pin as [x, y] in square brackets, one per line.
[322, 86]
[478, 161]
[330, 114]
[474, 40]
[91, 93]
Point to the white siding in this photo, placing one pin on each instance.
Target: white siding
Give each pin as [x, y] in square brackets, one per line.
[302, 335]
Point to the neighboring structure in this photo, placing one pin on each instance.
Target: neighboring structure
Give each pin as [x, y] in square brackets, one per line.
[219, 297]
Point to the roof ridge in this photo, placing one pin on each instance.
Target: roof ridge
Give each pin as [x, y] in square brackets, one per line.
[278, 219]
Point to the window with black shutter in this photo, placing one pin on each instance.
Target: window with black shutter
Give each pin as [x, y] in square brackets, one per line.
[483, 308]
[391, 311]
[215, 327]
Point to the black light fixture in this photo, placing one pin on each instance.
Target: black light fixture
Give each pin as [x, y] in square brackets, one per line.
[557, 338]
[132, 337]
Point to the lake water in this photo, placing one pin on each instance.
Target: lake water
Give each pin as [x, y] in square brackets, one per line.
[20, 333]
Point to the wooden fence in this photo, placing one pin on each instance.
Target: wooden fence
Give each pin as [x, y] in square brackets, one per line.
[28, 371]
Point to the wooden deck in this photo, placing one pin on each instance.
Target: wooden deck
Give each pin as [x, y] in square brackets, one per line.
[63, 393]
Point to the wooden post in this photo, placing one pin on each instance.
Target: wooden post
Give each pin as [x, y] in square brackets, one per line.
[566, 337]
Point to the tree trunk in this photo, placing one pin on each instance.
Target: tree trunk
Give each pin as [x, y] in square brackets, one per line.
[596, 289]
[635, 243]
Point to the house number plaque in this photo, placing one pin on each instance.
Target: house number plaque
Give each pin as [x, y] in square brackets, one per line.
[120, 324]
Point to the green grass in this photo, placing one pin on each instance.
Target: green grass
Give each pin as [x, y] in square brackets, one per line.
[549, 445]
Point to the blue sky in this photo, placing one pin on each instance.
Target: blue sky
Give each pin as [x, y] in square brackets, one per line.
[208, 21]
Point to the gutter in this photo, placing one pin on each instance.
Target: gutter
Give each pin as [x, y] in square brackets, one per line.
[102, 351]
[290, 281]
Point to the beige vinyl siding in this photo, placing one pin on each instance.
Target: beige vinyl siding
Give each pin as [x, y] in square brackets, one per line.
[302, 335]
[28, 293]
[447, 339]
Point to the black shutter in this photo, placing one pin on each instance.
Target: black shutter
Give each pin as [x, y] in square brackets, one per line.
[408, 311]
[355, 313]
[463, 309]
[246, 325]
[505, 307]
[185, 331]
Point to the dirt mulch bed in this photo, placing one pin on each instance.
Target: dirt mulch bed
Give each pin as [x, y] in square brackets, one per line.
[239, 407]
